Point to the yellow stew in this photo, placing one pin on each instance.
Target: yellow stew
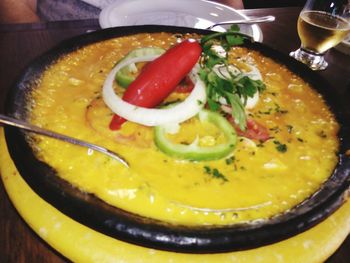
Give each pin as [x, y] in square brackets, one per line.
[258, 180]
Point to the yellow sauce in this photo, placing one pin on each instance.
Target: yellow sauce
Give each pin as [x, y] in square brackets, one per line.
[79, 243]
[261, 180]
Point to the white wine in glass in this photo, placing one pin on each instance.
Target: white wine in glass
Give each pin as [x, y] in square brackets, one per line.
[322, 24]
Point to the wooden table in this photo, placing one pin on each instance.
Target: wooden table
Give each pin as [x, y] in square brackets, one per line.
[19, 44]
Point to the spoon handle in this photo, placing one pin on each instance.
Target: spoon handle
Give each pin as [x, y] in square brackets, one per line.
[251, 20]
[35, 129]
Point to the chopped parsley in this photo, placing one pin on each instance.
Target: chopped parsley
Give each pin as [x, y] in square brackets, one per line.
[267, 112]
[280, 146]
[279, 110]
[215, 173]
[275, 129]
[230, 160]
[207, 169]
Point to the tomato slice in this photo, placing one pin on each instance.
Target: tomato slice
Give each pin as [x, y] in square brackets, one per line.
[254, 131]
[185, 86]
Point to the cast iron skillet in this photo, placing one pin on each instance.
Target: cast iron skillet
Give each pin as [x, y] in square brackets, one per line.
[96, 214]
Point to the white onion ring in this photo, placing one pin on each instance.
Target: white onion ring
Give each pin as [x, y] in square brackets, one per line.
[153, 117]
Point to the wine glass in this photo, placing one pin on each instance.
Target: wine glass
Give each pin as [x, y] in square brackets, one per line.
[322, 24]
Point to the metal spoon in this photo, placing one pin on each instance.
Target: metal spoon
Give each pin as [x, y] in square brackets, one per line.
[35, 129]
[250, 20]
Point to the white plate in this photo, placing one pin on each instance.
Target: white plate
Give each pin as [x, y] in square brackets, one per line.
[189, 13]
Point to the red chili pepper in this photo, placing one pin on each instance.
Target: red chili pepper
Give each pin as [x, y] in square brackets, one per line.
[160, 77]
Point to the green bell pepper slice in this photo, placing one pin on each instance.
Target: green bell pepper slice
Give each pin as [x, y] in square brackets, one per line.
[193, 151]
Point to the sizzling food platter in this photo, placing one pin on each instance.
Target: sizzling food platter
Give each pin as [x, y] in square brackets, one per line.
[248, 150]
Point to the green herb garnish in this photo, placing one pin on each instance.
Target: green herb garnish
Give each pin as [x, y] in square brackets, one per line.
[233, 88]
[215, 173]
[279, 110]
[230, 160]
[218, 175]
[275, 129]
[280, 146]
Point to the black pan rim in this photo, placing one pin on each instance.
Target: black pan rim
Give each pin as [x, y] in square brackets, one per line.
[128, 227]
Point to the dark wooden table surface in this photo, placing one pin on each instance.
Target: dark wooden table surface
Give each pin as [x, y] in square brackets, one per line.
[19, 44]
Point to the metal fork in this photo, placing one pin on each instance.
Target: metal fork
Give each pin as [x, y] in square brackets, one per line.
[250, 20]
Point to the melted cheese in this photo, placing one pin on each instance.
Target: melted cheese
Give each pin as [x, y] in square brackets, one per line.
[261, 180]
